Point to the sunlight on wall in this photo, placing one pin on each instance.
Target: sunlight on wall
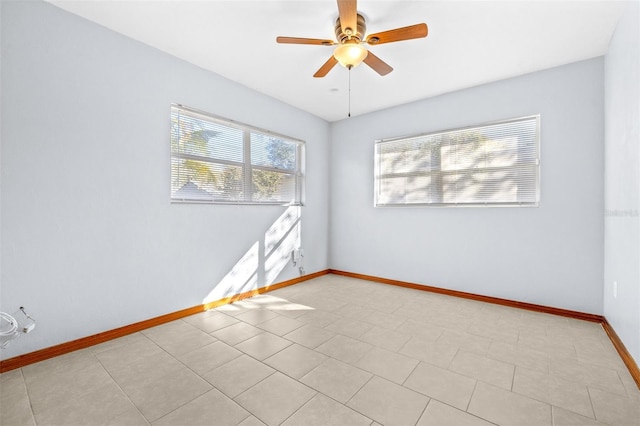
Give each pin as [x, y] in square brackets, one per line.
[242, 277]
[280, 228]
[261, 265]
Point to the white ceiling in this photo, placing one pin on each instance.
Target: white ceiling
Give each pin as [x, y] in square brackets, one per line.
[469, 43]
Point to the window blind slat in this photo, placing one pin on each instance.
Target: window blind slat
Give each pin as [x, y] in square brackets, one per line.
[213, 160]
[492, 164]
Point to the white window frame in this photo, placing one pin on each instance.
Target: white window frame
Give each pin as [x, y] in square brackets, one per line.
[532, 201]
[246, 165]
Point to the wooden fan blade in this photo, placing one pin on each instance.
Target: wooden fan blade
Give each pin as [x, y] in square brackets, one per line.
[324, 69]
[348, 11]
[377, 64]
[399, 34]
[302, 40]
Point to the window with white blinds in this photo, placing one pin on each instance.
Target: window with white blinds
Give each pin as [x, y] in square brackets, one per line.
[220, 161]
[495, 164]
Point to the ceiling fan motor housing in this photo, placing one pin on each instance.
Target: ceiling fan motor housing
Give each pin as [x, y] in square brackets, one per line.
[358, 34]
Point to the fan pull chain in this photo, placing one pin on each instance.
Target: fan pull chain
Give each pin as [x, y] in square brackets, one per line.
[349, 115]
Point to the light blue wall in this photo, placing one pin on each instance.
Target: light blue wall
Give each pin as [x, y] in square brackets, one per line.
[90, 241]
[550, 255]
[622, 180]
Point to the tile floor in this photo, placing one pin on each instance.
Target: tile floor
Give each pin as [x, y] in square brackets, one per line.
[337, 351]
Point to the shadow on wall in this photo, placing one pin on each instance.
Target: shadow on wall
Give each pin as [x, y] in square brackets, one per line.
[261, 265]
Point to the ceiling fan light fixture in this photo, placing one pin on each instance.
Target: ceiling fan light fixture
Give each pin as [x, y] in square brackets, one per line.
[350, 55]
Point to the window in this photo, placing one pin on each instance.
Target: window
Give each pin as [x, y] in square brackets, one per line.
[492, 164]
[219, 161]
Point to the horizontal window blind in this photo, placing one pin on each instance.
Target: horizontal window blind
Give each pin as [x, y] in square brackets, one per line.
[492, 164]
[219, 161]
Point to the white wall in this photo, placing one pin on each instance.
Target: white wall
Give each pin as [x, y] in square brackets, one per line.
[622, 180]
[90, 241]
[550, 255]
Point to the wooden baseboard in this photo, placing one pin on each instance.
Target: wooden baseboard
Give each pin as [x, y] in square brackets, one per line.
[615, 340]
[478, 297]
[622, 351]
[85, 342]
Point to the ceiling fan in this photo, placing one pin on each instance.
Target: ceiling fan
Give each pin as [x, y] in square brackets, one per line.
[350, 32]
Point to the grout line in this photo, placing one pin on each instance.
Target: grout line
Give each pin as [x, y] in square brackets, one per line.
[471, 397]
[126, 395]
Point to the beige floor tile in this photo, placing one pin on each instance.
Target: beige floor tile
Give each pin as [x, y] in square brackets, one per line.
[434, 353]
[633, 391]
[387, 364]
[553, 390]
[353, 311]
[15, 407]
[421, 330]
[502, 407]
[49, 390]
[156, 398]
[187, 342]
[384, 338]
[324, 411]
[130, 417]
[238, 375]
[206, 358]
[237, 333]
[453, 319]
[388, 403]
[465, 341]
[60, 365]
[349, 327]
[256, 316]
[120, 355]
[211, 408]
[211, 321]
[593, 376]
[562, 417]
[336, 379]
[444, 385]
[281, 325]
[178, 337]
[168, 331]
[251, 421]
[274, 399]
[439, 414]
[148, 367]
[482, 368]
[127, 340]
[233, 309]
[553, 347]
[385, 320]
[295, 360]
[615, 409]
[344, 348]
[95, 407]
[310, 336]
[503, 333]
[326, 303]
[319, 318]
[519, 356]
[263, 345]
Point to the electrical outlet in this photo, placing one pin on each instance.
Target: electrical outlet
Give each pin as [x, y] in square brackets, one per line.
[615, 289]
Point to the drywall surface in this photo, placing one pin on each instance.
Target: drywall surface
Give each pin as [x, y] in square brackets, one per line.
[90, 241]
[622, 181]
[550, 255]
